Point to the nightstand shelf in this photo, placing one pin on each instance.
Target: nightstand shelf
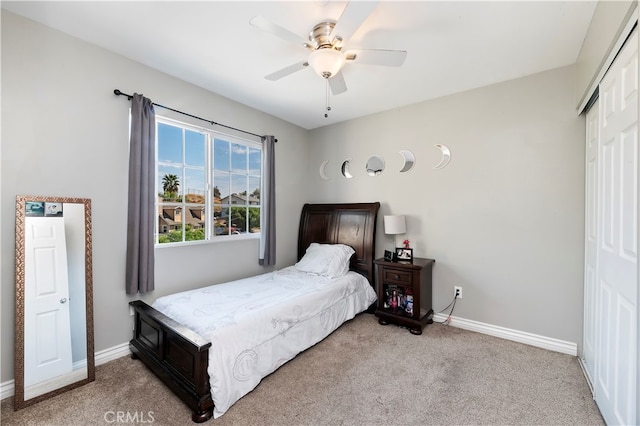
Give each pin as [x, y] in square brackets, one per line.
[405, 293]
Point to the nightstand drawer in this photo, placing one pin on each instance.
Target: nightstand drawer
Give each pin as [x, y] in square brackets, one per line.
[397, 276]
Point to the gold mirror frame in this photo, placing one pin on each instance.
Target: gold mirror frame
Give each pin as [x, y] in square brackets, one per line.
[19, 401]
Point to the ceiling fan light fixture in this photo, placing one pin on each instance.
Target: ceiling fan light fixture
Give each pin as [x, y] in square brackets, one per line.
[326, 62]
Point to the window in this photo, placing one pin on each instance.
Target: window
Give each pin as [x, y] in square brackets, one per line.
[208, 184]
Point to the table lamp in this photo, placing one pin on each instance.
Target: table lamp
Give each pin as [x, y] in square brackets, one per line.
[394, 225]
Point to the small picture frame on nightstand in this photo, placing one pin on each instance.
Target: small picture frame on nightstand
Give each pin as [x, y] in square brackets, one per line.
[404, 255]
[388, 256]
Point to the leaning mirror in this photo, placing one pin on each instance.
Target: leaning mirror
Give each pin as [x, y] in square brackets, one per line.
[54, 297]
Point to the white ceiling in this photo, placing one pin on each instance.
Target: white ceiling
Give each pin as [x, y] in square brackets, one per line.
[452, 46]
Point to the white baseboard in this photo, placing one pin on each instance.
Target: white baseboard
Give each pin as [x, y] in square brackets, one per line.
[562, 346]
[7, 388]
[115, 352]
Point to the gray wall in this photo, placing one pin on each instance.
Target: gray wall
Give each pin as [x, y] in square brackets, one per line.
[65, 133]
[504, 219]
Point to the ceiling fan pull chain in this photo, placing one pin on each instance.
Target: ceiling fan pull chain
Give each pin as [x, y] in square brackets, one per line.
[328, 93]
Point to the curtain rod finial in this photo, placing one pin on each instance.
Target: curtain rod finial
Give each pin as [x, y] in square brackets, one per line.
[117, 92]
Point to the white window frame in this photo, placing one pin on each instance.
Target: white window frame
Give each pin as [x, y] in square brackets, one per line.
[210, 136]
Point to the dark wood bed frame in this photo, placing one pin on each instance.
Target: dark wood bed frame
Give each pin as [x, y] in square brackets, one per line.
[180, 357]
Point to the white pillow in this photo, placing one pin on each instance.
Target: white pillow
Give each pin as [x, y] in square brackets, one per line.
[331, 260]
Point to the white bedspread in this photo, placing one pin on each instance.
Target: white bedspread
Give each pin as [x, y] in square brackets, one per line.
[257, 324]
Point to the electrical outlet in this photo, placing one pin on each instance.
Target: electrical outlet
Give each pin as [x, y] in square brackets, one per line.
[457, 291]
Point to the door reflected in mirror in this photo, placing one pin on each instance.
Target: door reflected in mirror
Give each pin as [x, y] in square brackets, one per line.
[54, 294]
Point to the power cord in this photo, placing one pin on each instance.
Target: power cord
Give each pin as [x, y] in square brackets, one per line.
[448, 320]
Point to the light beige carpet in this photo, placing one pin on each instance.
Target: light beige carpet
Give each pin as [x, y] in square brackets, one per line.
[363, 374]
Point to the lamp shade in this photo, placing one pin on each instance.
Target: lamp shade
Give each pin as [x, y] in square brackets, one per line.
[395, 224]
[326, 62]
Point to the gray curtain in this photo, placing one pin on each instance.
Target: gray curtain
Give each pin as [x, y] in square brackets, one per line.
[268, 214]
[141, 220]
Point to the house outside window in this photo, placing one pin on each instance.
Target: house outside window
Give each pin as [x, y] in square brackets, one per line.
[207, 183]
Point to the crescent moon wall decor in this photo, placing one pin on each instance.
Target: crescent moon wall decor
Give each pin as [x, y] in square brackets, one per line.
[408, 160]
[323, 170]
[446, 156]
[375, 165]
[345, 169]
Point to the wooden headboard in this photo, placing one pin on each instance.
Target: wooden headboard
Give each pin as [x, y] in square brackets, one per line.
[351, 224]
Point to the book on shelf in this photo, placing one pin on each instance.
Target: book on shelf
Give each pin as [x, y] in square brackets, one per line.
[398, 298]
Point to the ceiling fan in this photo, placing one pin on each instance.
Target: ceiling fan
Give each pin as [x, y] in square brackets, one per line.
[326, 43]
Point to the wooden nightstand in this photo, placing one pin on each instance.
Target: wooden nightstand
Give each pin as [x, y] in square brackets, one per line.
[405, 293]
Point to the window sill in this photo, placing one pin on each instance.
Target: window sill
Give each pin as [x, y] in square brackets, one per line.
[215, 240]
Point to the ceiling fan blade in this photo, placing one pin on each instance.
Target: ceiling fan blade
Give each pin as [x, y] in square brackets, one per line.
[389, 58]
[353, 15]
[286, 71]
[337, 84]
[278, 31]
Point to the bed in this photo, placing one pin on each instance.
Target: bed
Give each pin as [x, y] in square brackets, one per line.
[210, 362]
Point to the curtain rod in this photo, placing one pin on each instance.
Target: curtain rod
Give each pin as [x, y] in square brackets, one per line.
[129, 97]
